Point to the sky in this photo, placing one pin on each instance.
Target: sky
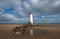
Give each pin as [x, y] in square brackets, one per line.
[17, 11]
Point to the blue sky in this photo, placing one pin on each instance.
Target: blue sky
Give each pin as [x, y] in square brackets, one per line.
[17, 11]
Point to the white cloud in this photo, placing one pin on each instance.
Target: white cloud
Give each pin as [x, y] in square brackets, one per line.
[22, 14]
[57, 3]
[48, 19]
[39, 3]
[46, 6]
[34, 2]
[26, 5]
[51, 16]
[6, 4]
[35, 14]
[16, 4]
[11, 18]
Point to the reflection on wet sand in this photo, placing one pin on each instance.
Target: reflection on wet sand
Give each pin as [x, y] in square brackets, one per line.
[6, 33]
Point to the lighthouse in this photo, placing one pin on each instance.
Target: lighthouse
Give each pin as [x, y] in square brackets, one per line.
[31, 21]
[31, 18]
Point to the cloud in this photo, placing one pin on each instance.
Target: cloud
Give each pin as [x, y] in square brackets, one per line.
[57, 3]
[9, 15]
[51, 16]
[17, 10]
[44, 6]
[48, 7]
[34, 2]
[9, 18]
[26, 5]
[49, 19]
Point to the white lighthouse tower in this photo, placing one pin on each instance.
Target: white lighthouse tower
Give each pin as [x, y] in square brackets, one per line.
[31, 22]
[31, 18]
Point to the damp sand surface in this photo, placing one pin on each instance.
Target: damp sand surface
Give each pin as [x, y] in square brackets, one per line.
[43, 33]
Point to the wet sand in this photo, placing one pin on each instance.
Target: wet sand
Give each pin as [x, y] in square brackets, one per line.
[6, 33]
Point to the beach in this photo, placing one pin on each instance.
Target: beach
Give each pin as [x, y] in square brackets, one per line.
[7, 33]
